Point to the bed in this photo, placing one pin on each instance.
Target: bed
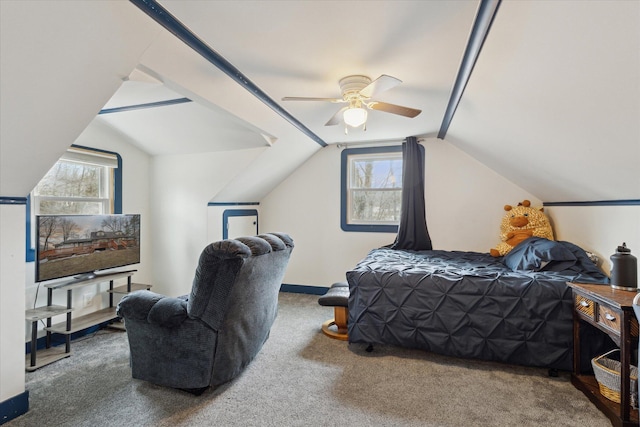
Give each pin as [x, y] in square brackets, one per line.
[515, 309]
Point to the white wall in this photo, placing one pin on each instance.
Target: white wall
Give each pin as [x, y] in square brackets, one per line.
[182, 186]
[12, 277]
[464, 201]
[135, 199]
[599, 229]
[215, 220]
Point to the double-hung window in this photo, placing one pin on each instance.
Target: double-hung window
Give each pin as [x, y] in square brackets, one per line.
[83, 181]
[371, 189]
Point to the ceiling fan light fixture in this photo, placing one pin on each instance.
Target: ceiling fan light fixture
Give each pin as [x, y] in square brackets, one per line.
[355, 117]
[358, 92]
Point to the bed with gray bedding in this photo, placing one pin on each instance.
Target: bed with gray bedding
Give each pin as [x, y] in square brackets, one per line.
[514, 309]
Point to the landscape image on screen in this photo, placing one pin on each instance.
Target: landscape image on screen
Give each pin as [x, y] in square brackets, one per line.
[75, 244]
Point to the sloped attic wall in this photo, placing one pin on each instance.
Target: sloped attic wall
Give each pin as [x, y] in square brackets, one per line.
[59, 66]
[554, 100]
[554, 106]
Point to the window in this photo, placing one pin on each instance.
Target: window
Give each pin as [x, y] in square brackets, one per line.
[84, 181]
[371, 189]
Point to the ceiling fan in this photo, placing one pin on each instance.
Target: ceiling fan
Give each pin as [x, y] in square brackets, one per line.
[357, 91]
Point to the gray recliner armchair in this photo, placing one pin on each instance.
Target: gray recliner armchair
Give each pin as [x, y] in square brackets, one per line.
[208, 337]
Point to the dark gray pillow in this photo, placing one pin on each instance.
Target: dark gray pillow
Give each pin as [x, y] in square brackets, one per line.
[538, 254]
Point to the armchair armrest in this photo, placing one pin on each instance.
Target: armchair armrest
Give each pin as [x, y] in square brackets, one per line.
[153, 308]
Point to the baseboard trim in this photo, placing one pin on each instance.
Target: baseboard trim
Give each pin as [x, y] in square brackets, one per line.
[61, 339]
[304, 289]
[14, 407]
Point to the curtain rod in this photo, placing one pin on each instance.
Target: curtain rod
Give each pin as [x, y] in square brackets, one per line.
[383, 142]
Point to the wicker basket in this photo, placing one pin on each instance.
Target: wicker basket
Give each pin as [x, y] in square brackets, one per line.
[607, 372]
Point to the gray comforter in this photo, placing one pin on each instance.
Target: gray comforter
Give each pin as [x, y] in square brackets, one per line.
[469, 304]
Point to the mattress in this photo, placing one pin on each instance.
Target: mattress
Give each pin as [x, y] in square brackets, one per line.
[468, 304]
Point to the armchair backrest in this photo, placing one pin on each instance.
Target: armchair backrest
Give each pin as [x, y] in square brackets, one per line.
[235, 292]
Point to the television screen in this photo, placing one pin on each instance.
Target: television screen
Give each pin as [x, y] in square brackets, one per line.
[70, 245]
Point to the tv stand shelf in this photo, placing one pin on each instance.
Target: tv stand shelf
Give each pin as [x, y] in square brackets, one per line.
[84, 322]
[49, 355]
[72, 325]
[98, 278]
[125, 289]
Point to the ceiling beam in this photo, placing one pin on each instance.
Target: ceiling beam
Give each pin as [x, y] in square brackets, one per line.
[484, 18]
[143, 106]
[175, 27]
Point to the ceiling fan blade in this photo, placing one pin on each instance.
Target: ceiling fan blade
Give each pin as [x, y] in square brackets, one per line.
[336, 117]
[379, 85]
[394, 109]
[302, 98]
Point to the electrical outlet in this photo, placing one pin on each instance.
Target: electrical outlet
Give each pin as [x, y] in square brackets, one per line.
[88, 300]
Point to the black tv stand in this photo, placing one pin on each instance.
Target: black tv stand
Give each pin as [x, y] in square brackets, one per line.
[72, 325]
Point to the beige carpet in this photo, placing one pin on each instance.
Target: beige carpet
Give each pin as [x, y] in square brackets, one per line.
[302, 378]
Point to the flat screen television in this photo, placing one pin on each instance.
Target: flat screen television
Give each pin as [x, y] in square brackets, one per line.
[83, 246]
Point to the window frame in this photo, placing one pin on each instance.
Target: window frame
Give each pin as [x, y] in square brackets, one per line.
[114, 203]
[345, 186]
[105, 199]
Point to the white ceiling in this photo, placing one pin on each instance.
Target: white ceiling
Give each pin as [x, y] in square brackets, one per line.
[183, 128]
[554, 81]
[553, 103]
[303, 49]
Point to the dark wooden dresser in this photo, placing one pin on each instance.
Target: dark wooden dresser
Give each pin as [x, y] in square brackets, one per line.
[611, 311]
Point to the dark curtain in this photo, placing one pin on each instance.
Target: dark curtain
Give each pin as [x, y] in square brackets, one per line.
[412, 232]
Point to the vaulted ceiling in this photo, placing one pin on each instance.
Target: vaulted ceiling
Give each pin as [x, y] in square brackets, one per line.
[553, 103]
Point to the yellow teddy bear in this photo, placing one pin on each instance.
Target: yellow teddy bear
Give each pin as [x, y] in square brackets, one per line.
[518, 224]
